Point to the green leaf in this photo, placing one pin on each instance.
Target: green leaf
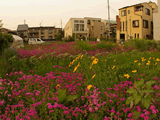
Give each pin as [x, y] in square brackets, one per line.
[137, 99]
[146, 102]
[71, 97]
[131, 90]
[150, 82]
[136, 115]
[61, 95]
[148, 91]
[129, 100]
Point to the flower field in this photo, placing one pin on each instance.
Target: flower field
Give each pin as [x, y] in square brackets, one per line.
[80, 81]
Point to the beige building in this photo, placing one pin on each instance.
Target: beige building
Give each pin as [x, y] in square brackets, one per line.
[85, 27]
[156, 24]
[136, 21]
[44, 33]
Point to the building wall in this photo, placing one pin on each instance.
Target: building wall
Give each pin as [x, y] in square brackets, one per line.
[156, 24]
[131, 31]
[68, 29]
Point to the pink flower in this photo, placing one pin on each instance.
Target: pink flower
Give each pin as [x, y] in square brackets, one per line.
[122, 99]
[130, 115]
[152, 107]
[142, 115]
[146, 118]
[113, 111]
[154, 111]
[50, 106]
[66, 112]
[55, 105]
[110, 101]
[147, 113]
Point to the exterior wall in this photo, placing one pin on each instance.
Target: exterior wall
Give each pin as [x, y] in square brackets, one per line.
[131, 31]
[68, 29]
[35, 32]
[156, 24]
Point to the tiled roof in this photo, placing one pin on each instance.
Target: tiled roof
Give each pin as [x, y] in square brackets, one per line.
[23, 27]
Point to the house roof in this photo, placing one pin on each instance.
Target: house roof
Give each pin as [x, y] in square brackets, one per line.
[132, 5]
[23, 27]
[51, 27]
[111, 21]
[9, 31]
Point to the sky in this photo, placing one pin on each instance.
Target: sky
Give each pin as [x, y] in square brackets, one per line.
[50, 12]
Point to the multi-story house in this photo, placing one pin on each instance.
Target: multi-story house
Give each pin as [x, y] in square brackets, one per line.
[22, 31]
[136, 21]
[85, 27]
[156, 24]
[44, 33]
[77, 27]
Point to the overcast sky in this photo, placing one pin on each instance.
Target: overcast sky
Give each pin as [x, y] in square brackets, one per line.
[50, 12]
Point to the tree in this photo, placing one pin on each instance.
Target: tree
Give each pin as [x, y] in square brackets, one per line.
[113, 33]
[1, 24]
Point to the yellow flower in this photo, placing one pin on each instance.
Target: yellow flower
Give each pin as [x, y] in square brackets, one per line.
[114, 60]
[113, 67]
[19, 96]
[95, 61]
[139, 63]
[153, 58]
[142, 58]
[81, 56]
[156, 63]
[105, 60]
[157, 59]
[92, 57]
[58, 85]
[11, 88]
[134, 71]
[93, 76]
[90, 66]
[108, 67]
[126, 75]
[147, 63]
[75, 69]
[149, 58]
[102, 60]
[135, 61]
[89, 87]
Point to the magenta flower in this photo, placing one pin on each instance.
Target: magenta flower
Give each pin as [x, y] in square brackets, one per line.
[146, 118]
[66, 112]
[142, 115]
[130, 115]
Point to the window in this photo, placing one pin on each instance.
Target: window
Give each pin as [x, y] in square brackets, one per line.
[138, 8]
[147, 11]
[76, 21]
[76, 27]
[145, 24]
[92, 27]
[50, 31]
[93, 20]
[126, 25]
[137, 35]
[101, 35]
[81, 27]
[101, 28]
[89, 22]
[59, 31]
[81, 21]
[151, 25]
[128, 11]
[55, 31]
[32, 35]
[123, 25]
[123, 13]
[50, 37]
[42, 31]
[136, 23]
[99, 20]
[120, 25]
[42, 37]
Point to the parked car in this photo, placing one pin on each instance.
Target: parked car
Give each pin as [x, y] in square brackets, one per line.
[35, 41]
[17, 42]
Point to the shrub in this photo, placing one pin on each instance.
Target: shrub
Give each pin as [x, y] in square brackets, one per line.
[9, 52]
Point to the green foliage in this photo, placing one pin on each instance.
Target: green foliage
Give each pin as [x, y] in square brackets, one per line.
[8, 53]
[141, 93]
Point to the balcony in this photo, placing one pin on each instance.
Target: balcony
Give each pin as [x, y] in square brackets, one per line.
[138, 8]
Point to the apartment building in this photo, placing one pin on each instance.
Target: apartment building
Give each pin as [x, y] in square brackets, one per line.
[44, 33]
[84, 27]
[156, 24]
[22, 31]
[136, 21]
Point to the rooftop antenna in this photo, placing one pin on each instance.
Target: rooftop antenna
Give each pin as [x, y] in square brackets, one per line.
[24, 21]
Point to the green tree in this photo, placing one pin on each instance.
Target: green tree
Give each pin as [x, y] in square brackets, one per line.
[113, 33]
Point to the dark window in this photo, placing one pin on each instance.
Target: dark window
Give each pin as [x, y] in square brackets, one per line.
[126, 25]
[81, 21]
[128, 11]
[92, 27]
[89, 22]
[99, 20]
[147, 11]
[42, 31]
[38, 40]
[123, 13]
[123, 25]
[50, 37]
[50, 31]
[120, 25]
[136, 23]
[101, 35]
[145, 24]
[137, 35]
[55, 31]
[42, 37]
[151, 25]
[138, 8]
[76, 21]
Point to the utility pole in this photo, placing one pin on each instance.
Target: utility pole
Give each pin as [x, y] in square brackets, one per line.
[108, 20]
[24, 21]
